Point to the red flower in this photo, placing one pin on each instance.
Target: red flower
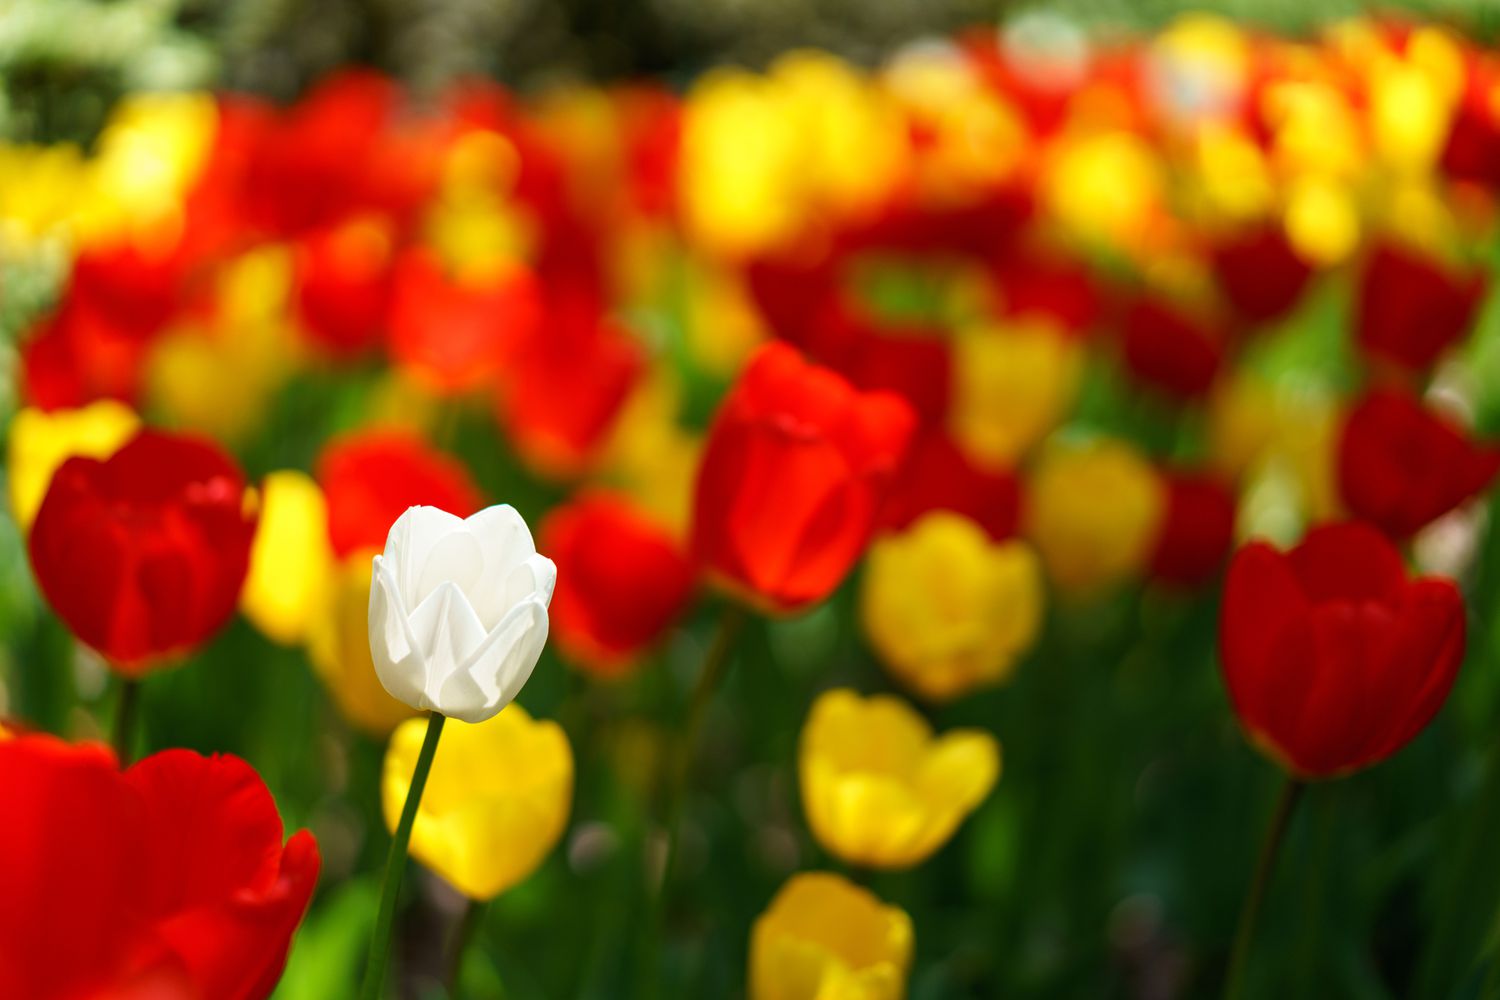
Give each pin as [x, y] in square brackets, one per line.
[1401, 467]
[370, 479]
[168, 881]
[343, 285]
[1171, 351]
[143, 554]
[621, 581]
[1333, 658]
[937, 475]
[1197, 530]
[456, 334]
[1409, 309]
[794, 472]
[1260, 274]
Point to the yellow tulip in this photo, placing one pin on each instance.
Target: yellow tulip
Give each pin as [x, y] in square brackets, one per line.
[496, 802]
[1012, 385]
[1094, 510]
[291, 560]
[339, 647]
[825, 938]
[41, 441]
[878, 788]
[948, 610]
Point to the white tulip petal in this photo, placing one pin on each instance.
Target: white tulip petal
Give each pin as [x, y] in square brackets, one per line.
[393, 650]
[410, 539]
[501, 666]
[447, 633]
[454, 558]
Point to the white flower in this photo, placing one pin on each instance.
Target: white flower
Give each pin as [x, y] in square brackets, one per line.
[458, 610]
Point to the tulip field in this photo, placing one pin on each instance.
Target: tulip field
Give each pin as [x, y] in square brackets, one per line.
[1010, 514]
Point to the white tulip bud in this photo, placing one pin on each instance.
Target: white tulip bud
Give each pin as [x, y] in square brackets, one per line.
[458, 610]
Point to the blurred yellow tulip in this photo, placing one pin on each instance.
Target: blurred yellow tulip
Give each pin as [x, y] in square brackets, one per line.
[338, 644]
[497, 799]
[40, 441]
[291, 560]
[947, 609]
[878, 788]
[1012, 385]
[825, 938]
[1093, 513]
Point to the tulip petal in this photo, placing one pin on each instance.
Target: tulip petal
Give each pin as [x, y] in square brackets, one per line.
[410, 540]
[492, 676]
[1262, 598]
[393, 648]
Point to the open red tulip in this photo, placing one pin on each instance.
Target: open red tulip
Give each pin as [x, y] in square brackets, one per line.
[143, 553]
[794, 472]
[1334, 659]
[166, 881]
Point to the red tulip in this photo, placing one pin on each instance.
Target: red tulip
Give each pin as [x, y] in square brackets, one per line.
[1170, 350]
[1410, 309]
[794, 472]
[456, 334]
[1260, 274]
[937, 475]
[621, 581]
[1334, 659]
[167, 881]
[369, 480]
[343, 285]
[1197, 530]
[143, 554]
[1401, 466]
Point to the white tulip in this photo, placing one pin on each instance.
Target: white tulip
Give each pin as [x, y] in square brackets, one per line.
[458, 610]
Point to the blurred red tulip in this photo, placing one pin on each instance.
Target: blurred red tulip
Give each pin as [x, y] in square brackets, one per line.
[1197, 530]
[1066, 294]
[1401, 466]
[1260, 274]
[1169, 350]
[455, 334]
[937, 475]
[1333, 658]
[1410, 309]
[794, 472]
[343, 285]
[143, 554]
[621, 581]
[167, 881]
[370, 478]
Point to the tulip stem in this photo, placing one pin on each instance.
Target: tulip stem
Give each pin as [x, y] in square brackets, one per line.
[463, 933]
[395, 865]
[127, 707]
[1239, 956]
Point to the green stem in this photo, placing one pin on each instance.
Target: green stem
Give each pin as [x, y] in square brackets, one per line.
[127, 708]
[710, 675]
[1234, 980]
[463, 933]
[395, 865]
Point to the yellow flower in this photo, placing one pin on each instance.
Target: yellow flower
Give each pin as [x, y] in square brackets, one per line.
[291, 560]
[338, 644]
[878, 788]
[1093, 513]
[825, 938]
[496, 802]
[41, 441]
[1013, 384]
[947, 609]
[1105, 187]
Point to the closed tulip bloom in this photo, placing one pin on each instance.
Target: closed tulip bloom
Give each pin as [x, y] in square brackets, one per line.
[1410, 309]
[1170, 350]
[338, 645]
[948, 610]
[793, 475]
[143, 554]
[458, 610]
[1197, 530]
[1012, 385]
[879, 789]
[622, 581]
[825, 938]
[371, 478]
[40, 441]
[496, 803]
[1333, 657]
[1085, 543]
[167, 880]
[291, 561]
[1260, 273]
[1401, 466]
